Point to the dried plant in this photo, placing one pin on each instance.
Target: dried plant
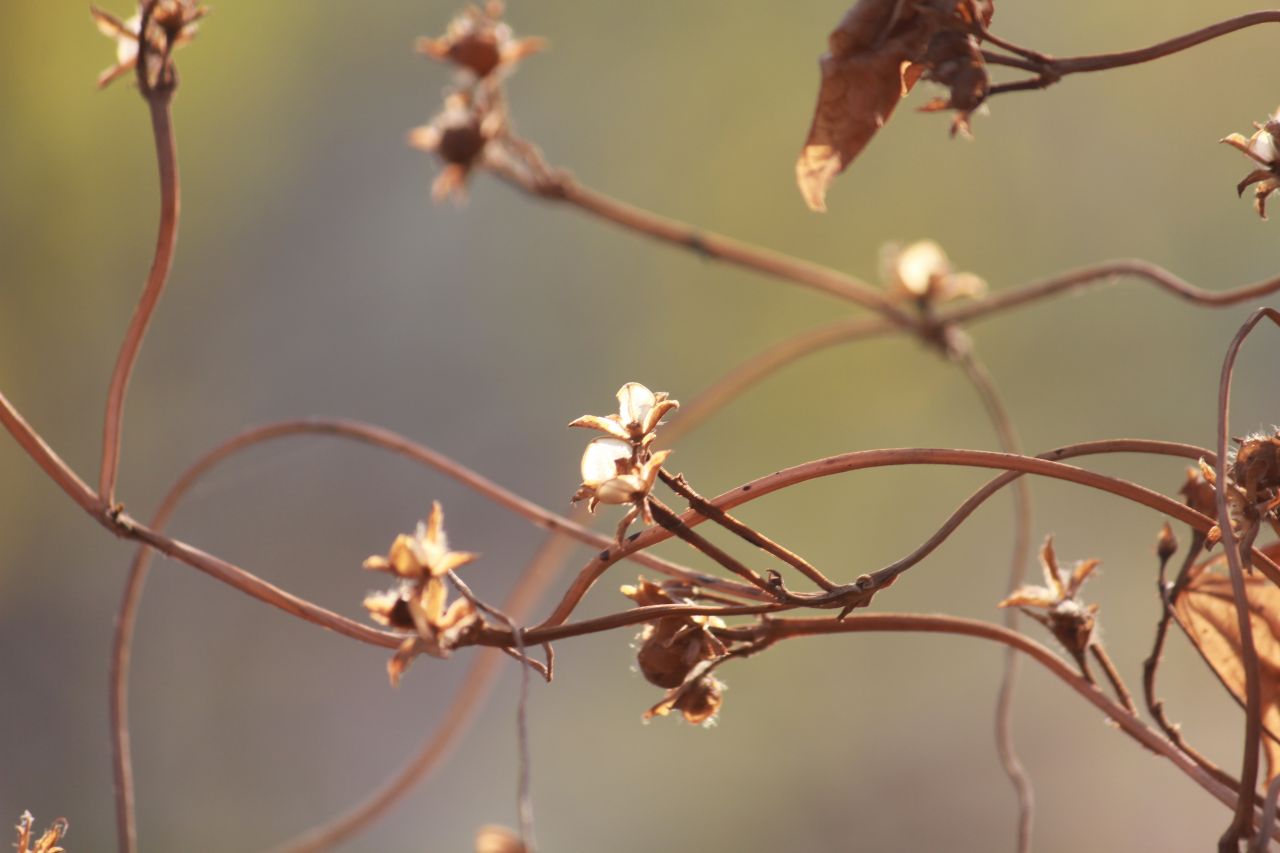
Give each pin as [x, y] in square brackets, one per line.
[695, 621]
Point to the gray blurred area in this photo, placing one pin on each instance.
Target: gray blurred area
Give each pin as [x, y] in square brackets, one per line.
[314, 276]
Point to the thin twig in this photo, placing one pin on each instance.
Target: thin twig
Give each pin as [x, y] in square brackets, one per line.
[698, 503]
[264, 591]
[48, 460]
[476, 686]
[865, 459]
[524, 799]
[1104, 273]
[1267, 827]
[1242, 824]
[674, 524]
[976, 372]
[1113, 676]
[786, 628]
[1107, 61]
[1155, 706]
[561, 187]
[158, 103]
[729, 387]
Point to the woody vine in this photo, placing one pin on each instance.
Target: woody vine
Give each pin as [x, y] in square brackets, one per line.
[1216, 550]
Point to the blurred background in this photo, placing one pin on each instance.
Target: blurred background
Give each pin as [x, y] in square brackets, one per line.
[314, 276]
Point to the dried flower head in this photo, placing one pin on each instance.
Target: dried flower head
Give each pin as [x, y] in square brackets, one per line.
[48, 840]
[921, 271]
[1198, 492]
[672, 646]
[1070, 621]
[422, 562]
[1263, 147]
[640, 413]
[480, 43]
[498, 839]
[699, 698]
[612, 474]
[461, 135]
[954, 59]
[172, 24]
[1252, 487]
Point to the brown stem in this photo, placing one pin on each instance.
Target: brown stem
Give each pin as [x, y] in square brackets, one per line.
[1243, 822]
[1128, 722]
[1101, 274]
[1267, 826]
[561, 187]
[476, 686]
[671, 522]
[49, 461]
[158, 101]
[699, 504]
[975, 371]
[1107, 61]
[730, 386]
[863, 459]
[1113, 676]
[270, 594]
[1050, 70]
[1155, 706]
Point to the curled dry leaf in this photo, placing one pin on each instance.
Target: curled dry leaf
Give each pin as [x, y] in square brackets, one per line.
[1206, 611]
[879, 50]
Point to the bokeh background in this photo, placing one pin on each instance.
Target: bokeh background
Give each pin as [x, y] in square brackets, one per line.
[315, 276]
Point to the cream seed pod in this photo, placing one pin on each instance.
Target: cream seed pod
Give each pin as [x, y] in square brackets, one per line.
[922, 272]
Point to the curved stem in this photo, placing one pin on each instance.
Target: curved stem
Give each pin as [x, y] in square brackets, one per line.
[730, 386]
[1267, 827]
[1102, 273]
[561, 187]
[1241, 826]
[1134, 727]
[476, 687]
[158, 101]
[1107, 61]
[48, 460]
[982, 382]
[257, 588]
[1155, 706]
[859, 460]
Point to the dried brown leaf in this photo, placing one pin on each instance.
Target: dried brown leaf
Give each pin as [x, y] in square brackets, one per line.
[876, 54]
[862, 81]
[1206, 612]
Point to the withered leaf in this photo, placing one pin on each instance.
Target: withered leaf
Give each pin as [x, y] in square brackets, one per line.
[876, 54]
[1206, 611]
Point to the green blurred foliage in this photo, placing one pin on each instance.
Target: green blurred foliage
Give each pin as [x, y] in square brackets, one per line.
[314, 276]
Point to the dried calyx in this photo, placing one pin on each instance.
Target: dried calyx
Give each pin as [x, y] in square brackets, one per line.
[1056, 604]
[171, 24]
[460, 135]
[422, 563]
[480, 44]
[676, 652]
[620, 469]
[922, 272]
[470, 131]
[48, 840]
[1252, 489]
[1263, 148]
